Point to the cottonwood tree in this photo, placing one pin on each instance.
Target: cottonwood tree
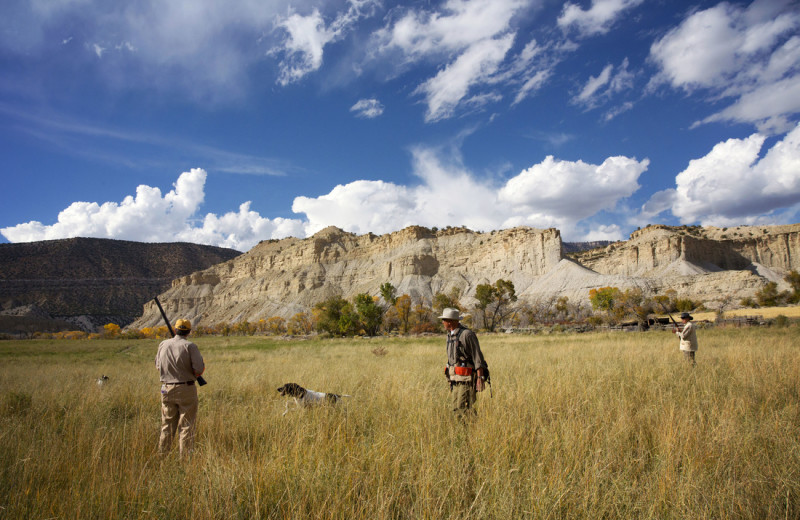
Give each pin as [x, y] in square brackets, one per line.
[389, 294]
[495, 302]
[299, 324]
[369, 313]
[793, 279]
[276, 325]
[450, 300]
[423, 319]
[605, 299]
[403, 307]
[634, 303]
[337, 317]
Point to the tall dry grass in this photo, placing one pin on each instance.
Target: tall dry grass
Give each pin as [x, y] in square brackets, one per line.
[580, 426]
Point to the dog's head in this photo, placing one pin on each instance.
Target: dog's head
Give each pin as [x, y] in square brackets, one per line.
[292, 390]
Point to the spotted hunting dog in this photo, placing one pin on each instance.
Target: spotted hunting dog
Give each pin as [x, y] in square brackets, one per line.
[304, 397]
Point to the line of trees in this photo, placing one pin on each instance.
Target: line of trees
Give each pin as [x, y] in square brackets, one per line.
[496, 306]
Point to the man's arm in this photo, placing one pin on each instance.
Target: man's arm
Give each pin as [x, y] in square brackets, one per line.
[474, 351]
[198, 365]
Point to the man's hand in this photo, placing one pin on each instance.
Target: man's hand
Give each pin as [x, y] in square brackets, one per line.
[480, 384]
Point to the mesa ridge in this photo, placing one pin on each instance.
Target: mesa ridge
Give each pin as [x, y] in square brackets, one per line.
[284, 277]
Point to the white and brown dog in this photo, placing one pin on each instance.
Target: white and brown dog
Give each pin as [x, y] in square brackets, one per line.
[305, 397]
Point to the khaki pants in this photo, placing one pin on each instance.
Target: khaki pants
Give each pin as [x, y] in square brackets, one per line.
[463, 398]
[688, 355]
[178, 412]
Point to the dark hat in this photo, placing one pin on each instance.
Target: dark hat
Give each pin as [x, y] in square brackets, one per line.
[686, 316]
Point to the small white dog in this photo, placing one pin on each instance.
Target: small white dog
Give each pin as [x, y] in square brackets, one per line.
[102, 380]
[304, 397]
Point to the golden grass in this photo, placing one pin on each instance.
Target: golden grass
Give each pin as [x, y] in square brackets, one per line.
[580, 426]
[764, 312]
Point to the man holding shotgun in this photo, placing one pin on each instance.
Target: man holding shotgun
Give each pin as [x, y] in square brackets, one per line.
[180, 364]
[688, 337]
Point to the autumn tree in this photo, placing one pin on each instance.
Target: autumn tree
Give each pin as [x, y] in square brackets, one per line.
[495, 302]
[635, 304]
[299, 324]
[605, 299]
[403, 307]
[276, 325]
[337, 317]
[111, 330]
[450, 300]
[369, 313]
[423, 318]
[793, 279]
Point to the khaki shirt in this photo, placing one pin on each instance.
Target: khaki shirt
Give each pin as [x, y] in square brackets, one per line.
[688, 337]
[178, 360]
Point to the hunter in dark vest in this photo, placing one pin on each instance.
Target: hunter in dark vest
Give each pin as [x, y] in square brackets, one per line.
[466, 367]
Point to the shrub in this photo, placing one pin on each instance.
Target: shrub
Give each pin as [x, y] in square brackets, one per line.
[748, 302]
[781, 321]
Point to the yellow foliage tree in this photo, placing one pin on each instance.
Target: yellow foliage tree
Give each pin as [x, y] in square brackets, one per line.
[300, 324]
[276, 325]
[111, 330]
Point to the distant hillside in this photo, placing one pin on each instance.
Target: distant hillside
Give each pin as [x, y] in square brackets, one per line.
[577, 247]
[91, 281]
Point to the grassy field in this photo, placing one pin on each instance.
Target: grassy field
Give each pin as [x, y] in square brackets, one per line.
[580, 426]
[765, 312]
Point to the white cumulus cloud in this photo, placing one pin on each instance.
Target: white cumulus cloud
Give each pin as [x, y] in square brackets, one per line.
[552, 193]
[150, 216]
[732, 185]
[566, 192]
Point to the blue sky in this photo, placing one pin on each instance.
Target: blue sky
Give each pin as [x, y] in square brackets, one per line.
[227, 123]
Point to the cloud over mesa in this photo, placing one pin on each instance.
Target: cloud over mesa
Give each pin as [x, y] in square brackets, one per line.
[736, 182]
[732, 185]
[535, 197]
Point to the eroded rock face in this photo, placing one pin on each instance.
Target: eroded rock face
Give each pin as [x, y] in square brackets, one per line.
[283, 277]
[651, 250]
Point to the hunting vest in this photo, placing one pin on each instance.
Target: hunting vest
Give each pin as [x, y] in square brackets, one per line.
[459, 367]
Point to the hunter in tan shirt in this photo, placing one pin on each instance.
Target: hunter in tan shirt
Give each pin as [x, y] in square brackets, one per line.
[179, 363]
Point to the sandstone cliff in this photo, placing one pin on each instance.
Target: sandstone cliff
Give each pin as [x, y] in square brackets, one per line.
[281, 278]
[291, 275]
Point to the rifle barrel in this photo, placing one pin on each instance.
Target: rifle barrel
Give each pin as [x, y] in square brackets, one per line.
[164, 315]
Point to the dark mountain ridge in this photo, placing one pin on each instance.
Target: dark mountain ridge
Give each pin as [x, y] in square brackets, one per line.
[91, 281]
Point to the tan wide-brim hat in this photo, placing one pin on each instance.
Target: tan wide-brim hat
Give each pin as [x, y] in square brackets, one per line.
[451, 314]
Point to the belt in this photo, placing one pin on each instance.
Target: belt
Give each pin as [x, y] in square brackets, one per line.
[461, 382]
[181, 383]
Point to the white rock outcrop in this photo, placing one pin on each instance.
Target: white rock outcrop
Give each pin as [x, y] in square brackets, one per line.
[283, 277]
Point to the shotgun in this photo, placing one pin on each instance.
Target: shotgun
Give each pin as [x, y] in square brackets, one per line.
[674, 323]
[200, 380]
